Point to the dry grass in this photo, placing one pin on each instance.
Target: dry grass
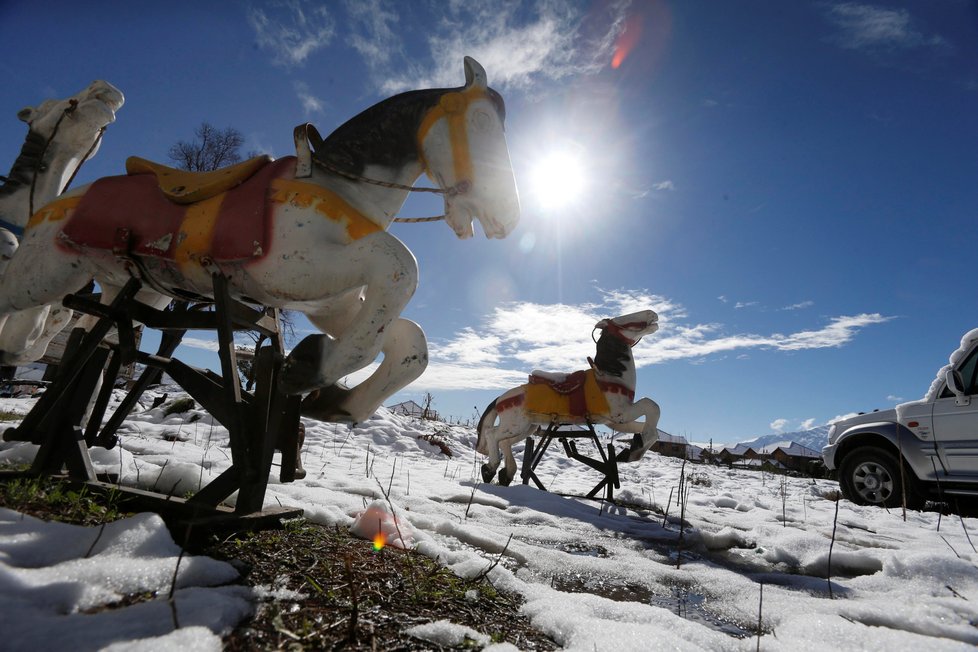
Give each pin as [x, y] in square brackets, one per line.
[345, 594]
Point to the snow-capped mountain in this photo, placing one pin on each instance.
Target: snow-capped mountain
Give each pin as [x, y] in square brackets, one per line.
[814, 438]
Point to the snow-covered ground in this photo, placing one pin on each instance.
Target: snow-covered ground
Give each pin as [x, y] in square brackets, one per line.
[594, 576]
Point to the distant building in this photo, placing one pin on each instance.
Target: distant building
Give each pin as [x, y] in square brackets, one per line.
[782, 456]
[677, 446]
[739, 452]
[794, 456]
[670, 445]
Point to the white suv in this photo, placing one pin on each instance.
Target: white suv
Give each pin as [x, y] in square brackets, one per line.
[935, 437]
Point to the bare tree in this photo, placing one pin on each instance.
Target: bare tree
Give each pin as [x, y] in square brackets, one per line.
[426, 412]
[212, 148]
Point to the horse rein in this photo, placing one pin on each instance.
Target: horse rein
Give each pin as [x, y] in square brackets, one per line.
[39, 167]
[618, 331]
[454, 190]
[309, 133]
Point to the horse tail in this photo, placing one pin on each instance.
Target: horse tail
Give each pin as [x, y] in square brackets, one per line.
[485, 420]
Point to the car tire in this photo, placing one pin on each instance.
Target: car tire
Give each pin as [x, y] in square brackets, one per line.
[871, 476]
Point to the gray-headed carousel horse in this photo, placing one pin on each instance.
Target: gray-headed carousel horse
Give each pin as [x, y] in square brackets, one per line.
[603, 394]
[307, 233]
[61, 136]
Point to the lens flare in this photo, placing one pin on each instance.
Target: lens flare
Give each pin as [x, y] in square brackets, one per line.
[627, 40]
[379, 541]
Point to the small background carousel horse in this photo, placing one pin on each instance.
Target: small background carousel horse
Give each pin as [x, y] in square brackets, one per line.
[306, 233]
[61, 136]
[601, 395]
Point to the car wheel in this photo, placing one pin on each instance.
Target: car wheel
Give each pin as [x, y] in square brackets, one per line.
[871, 476]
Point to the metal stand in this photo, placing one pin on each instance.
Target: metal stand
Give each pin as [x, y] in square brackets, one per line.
[607, 465]
[256, 423]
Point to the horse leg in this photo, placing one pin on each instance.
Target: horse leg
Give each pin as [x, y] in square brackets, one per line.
[19, 340]
[388, 273]
[405, 358]
[490, 448]
[502, 438]
[26, 295]
[643, 440]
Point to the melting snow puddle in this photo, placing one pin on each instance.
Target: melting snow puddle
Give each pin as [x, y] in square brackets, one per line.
[682, 601]
[584, 549]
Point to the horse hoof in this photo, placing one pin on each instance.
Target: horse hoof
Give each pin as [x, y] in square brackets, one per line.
[487, 473]
[505, 478]
[324, 404]
[301, 369]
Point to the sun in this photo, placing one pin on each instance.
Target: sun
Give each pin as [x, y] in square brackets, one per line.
[558, 179]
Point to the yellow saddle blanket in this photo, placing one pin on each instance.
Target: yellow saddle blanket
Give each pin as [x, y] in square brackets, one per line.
[568, 400]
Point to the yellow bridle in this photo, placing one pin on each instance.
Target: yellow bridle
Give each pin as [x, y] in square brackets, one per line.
[453, 107]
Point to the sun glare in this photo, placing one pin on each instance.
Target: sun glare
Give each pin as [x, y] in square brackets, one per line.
[558, 179]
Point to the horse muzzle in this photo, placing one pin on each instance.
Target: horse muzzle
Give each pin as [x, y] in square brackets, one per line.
[497, 219]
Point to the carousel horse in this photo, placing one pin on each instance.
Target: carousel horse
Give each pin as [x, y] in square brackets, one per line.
[307, 233]
[603, 395]
[61, 136]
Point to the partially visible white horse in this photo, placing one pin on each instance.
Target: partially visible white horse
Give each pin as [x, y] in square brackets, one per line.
[601, 395]
[61, 136]
[307, 233]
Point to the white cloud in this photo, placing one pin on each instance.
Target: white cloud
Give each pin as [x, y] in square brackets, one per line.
[664, 185]
[744, 304]
[808, 424]
[198, 343]
[370, 30]
[291, 29]
[310, 103]
[868, 27]
[778, 425]
[469, 348]
[517, 44]
[447, 377]
[799, 305]
[895, 399]
[518, 337]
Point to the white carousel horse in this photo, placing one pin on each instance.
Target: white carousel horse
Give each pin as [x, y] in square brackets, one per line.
[61, 136]
[323, 249]
[601, 395]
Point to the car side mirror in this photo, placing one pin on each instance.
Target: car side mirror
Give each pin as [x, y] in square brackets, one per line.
[954, 383]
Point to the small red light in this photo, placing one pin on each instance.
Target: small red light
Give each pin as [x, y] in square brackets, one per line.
[913, 424]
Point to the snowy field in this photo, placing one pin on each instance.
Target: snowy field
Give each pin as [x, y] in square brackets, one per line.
[594, 576]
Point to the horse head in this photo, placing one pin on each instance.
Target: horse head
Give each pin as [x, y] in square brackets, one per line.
[632, 327]
[463, 146]
[62, 131]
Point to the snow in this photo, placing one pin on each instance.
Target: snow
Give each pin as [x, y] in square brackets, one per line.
[967, 340]
[593, 576]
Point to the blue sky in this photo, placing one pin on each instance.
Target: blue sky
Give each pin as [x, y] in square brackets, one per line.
[792, 185]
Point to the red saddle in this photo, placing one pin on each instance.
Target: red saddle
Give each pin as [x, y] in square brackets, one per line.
[131, 215]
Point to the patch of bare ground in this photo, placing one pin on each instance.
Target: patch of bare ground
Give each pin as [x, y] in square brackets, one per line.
[344, 595]
[324, 588]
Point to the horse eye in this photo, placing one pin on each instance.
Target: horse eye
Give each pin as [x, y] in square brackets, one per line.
[481, 121]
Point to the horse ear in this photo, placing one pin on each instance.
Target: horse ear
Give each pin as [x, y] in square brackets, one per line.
[26, 114]
[602, 324]
[475, 74]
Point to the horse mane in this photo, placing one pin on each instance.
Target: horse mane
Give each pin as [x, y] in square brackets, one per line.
[387, 132]
[612, 352]
[27, 162]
